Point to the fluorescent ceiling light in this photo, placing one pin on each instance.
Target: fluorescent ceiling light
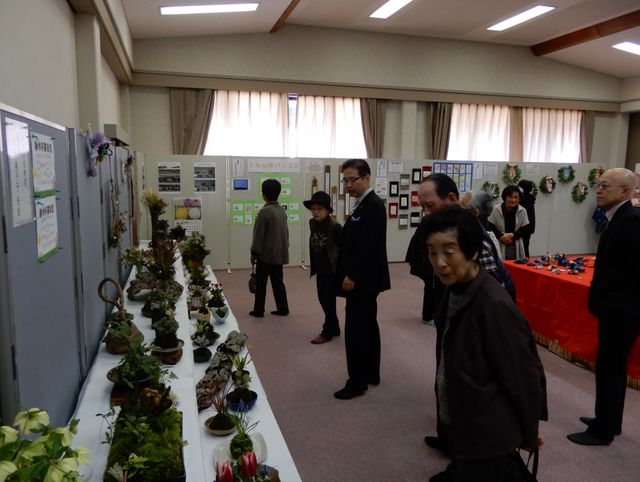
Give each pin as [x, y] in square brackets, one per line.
[389, 8]
[521, 17]
[631, 47]
[200, 9]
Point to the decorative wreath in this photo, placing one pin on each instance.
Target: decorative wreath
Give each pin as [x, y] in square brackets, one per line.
[547, 184]
[566, 174]
[511, 174]
[491, 188]
[579, 192]
[594, 176]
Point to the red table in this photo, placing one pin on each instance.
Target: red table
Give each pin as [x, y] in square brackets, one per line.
[556, 307]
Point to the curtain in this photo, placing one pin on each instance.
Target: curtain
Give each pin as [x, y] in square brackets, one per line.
[329, 127]
[479, 133]
[551, 135]
[515, 134]
[373, 112]
[586, 135]
[190, 118]
[438, 129]
[248, 124]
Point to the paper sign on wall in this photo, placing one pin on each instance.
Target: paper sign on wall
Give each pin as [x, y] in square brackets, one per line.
[169, 177]
[44, 163]
[46, 227]
[204, 176]
[17, 137]
[188, 214]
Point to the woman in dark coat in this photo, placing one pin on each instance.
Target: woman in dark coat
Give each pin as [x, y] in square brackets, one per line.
[490, 381]
[528, 201]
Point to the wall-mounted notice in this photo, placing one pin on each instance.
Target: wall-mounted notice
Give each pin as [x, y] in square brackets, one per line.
[237, 167]
[44, 163]
[169, 177]
[204, 176]
[381, 168]
[46, 227]
[17, 135]
[188, 214]
[315, 165]
[285, 183]
[381, 186]
[405, 182]
[396, 166]
[460, 172]
[273, 165]
[403, 221]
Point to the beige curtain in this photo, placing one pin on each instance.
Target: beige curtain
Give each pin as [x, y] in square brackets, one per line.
[373, 113]
[586, 135]
[190, 118]
[438, 129]
[516, 152]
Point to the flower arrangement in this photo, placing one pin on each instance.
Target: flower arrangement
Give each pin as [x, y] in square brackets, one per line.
[47, 458]
[99, 146]
[245, 468]
[194, 250]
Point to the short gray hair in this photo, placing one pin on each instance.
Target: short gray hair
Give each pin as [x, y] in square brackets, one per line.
[483, 202]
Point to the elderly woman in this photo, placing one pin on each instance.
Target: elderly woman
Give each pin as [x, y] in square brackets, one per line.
[490, 381]
[510, 223]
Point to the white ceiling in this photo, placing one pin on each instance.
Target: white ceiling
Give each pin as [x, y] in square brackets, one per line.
[451, 19]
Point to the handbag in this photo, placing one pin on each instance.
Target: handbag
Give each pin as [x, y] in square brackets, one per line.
[518, 471]
[252, 279]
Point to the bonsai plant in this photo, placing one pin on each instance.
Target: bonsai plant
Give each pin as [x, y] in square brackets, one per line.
[223, 423]
[166, 345]
[241, 377]
[194, 250]
[219, 309]
[119, 324]
[47, 457]
[203, 336]
[177, 233]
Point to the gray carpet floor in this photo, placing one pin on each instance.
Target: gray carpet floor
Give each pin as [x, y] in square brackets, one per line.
[379, 436]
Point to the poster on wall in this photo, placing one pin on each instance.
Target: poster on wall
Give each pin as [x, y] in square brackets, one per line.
[204, 176]
[404, 201]
[44, 163]
[405, 182]
[403, 221]
[244, 212]
[416, 176]
[393, 210]
[237, 167]
[396, 166]
[273, 165]
[381, 168]
[188, 214]
[169, 177]
[17, 137]
[460, 172]
[46, 227]
[394, 187]
[381, 186]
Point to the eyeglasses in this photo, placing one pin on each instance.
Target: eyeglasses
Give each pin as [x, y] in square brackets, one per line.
[603, 186]
[351, 180]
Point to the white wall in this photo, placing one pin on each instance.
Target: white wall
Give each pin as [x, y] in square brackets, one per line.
[151, 126]
[110, 93]
[38, 59]
[122, 24]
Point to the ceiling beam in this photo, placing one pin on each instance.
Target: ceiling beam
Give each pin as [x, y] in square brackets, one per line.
[285, 15]
[593, 32]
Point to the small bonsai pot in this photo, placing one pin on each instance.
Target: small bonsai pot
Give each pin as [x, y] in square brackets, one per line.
[241, 400]
[169, 356]
[220, 314]
[241, 378]
[220, 425]
[202, 354]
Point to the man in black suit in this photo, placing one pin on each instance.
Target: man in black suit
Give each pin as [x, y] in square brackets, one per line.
[363, 273]
[613, 299]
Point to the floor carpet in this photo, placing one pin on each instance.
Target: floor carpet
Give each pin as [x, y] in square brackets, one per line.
[379, 436]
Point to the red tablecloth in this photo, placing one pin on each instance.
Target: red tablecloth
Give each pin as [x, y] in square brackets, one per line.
[556, 307]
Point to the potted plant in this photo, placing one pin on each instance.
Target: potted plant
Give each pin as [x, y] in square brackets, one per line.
[31, 450]
[177, 233]
[194, 251]
[219, 308]
[204, 335]
[241, 442]
[241, 377]
[241, 399]
[119, 324]
[222, 423]
[246, 469]
[156, 207]
[166, 345]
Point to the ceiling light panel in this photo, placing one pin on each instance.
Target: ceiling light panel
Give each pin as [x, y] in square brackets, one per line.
[631, 47]
[203, 9]
[389, 8]
[521, 18]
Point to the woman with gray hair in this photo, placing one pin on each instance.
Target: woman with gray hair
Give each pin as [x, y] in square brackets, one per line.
[482, 205]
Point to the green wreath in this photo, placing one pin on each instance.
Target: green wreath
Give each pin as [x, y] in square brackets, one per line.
[547, 184]
[492, 188]
[594, 176]
[511, 174]
[566, 174]
[579, 192]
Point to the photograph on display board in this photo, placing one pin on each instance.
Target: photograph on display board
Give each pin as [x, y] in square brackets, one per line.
[169, 177]
[188, 214]
[204, 177]
[415, 200]
[394, 188]
[415, 219]
[393, 210]
[404, 201]
[416, 176]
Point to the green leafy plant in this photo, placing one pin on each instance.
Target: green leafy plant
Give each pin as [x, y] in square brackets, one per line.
[25, 456]
[138, 365]
[194, 250]
[241, 442]
[217, 299]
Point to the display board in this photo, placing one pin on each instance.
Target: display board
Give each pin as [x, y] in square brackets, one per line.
[39, 304]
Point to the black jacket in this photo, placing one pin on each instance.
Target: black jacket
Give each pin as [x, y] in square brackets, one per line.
[615, 290]
[363, 253]
[496, 387]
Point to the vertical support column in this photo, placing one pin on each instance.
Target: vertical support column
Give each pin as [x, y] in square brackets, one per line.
[89, 66]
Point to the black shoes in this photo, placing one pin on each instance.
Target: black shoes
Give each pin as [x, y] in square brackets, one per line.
[437, 444]
[585, 438]
[591, 420]
[257, 315]
[347, 393]
[374, 381]
[280, 313]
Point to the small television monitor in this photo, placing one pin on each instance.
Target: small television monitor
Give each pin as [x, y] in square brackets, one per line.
[241, 184]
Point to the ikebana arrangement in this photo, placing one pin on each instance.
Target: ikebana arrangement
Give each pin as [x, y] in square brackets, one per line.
[32, 450]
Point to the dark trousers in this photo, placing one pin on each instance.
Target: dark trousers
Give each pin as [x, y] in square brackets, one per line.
[482, 470]
[525, 242]
[273, 271]
[615, 340]
[362, 341]
[326, 286]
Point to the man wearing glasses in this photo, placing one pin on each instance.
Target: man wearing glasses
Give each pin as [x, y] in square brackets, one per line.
[614, 301]
[363, 273]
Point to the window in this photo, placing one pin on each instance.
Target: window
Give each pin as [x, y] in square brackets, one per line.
[551, 135]
[479, 133]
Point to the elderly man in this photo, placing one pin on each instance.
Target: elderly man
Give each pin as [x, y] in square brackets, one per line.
[613, 300]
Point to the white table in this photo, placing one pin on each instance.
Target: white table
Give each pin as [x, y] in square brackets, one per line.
[198, 454]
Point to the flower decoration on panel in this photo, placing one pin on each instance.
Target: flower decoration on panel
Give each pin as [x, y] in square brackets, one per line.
[491, 188]
[594, 176]
[99, 146]
[547, 184]
[511, 174]
[566, 174]
[579, 192]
